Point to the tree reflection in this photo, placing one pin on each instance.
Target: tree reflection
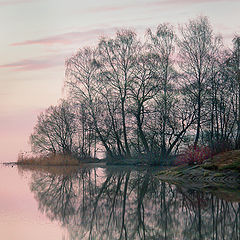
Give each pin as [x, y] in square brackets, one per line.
[128, 204]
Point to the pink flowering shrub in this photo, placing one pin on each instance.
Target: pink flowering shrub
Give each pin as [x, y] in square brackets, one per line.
[194, 155]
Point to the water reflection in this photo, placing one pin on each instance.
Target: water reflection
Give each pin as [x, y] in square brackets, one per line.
[127, 204]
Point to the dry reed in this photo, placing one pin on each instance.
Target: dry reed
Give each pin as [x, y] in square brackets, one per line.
[48, 160]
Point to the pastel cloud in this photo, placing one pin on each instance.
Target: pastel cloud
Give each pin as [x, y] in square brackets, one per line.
[170, 2]
[36, 64]
[57, 59]
[66, 38]
[111, 8]
[14, 2]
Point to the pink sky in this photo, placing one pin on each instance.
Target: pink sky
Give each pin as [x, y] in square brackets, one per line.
[38, 36]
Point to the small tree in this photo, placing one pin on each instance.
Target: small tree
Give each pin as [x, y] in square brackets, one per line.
[54, 130]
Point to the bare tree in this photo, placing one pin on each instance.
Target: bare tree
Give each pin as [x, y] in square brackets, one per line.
[82, 71]
[197, 49]
[234, 73]
[54, 130]
[118, 59]
[162, 47]
[142, 91]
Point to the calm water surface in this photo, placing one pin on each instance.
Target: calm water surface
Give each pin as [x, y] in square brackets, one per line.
[111, 203]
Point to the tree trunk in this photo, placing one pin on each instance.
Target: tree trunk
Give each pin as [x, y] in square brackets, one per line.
[128, 154]
[140, 130]
[198, 115]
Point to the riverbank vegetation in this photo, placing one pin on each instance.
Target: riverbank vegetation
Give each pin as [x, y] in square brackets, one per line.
[48, 160]
[54, 159]
[221, 169]
[224, 161]
[147, 98]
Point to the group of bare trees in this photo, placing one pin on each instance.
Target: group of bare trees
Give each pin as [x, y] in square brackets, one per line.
[151, 97]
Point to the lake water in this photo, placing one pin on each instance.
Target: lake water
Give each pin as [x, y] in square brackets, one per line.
[111, 203]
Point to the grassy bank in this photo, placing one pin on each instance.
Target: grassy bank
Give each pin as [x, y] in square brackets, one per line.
[224, 161]
[222, 168]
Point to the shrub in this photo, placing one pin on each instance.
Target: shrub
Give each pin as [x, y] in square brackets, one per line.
[194, 155]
